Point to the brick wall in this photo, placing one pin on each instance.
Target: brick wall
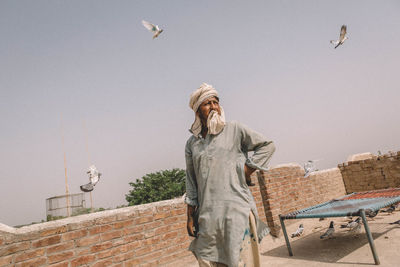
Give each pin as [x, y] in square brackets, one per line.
[146, 235]
[155, 234]
[150, 235]
[284, 189]
[376, 172]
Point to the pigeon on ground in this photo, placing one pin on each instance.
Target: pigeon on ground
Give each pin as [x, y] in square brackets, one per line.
[153, 28]
[351, 224]
[390, 209]
[299, 231]
[328, 232]
[342, 37]
[94, 177]
[372, 214]
[396, 222]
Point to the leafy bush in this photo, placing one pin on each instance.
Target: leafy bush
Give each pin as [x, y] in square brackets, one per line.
[157, 186]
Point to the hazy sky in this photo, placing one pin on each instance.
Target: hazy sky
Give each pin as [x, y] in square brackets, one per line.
[64, 64]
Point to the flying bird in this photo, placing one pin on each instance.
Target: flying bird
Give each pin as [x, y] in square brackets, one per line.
[396, 222]
[299, 231]
[94, 177]
[342, 37]
[153, 28]
[328, 232]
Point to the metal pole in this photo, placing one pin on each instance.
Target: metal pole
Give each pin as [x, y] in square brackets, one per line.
[286, 236]
[369, 236]
[65, 167]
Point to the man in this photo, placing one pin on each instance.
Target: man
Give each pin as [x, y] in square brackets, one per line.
[220, 207]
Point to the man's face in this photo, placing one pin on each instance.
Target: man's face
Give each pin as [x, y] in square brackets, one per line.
[207, 106]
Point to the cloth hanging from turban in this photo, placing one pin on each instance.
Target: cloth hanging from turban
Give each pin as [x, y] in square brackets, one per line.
[215, 123]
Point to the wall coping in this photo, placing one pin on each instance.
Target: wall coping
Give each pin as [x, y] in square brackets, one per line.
[88, 217]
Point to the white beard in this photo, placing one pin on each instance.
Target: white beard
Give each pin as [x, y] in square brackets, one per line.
[215, 122]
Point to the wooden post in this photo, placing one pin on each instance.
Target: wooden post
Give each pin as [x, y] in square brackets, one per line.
[65, 167]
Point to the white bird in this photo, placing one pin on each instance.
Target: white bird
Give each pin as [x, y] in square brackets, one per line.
[328, 232]
[351, 225]
[310, 167]
[94, 177]
[153, 28]
[342, 37]
[299, 231]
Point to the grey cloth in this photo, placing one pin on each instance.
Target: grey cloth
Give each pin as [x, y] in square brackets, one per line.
[216, 184]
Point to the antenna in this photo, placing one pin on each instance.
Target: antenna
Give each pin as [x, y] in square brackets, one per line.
[89, 162]
[65, 166]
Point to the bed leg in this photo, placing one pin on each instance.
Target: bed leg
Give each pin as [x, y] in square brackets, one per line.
[369, 236]
[286, 236]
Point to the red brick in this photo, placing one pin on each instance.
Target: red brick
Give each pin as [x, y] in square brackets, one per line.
[105, 254]
[123, 257]
[26, 255]
[6, 260]
[171, 220]
[10, 249]
[123, 224]
[151, 225]
[111, 235]
[82, 251]
[100, 229]
[161, 215]
[142, 251]
[151, 241]
[131, 238]
[86, 241]
[83, 260]
[60, 256]
[132, 230]
[142, 220]
[32, 263]
[103, 263]
[151, 256]
[74, 235]
[132, 263]
[101, 246]
[170, 235]
[60, 264]
[61, 247]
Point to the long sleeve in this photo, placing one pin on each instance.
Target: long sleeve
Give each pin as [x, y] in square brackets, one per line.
[191, 184]
[263, 149]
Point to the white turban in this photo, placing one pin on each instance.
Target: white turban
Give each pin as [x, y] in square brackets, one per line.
[204, 92]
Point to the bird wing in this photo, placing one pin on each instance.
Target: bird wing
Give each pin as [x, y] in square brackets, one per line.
[149, 26]
[86, 187]
[343, 31]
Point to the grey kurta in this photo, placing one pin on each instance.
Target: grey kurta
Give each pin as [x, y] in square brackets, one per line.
[216, 183]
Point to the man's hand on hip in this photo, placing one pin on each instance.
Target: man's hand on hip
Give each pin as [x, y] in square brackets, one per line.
[247, 172]
[190, 221]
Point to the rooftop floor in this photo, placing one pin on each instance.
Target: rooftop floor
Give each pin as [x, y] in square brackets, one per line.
[342, 250]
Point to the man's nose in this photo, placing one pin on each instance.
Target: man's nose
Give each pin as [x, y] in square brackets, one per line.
[214, 106]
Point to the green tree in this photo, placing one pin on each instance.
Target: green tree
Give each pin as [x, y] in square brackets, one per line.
[157, 186]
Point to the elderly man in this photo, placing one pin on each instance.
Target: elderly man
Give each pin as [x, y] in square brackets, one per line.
[220, 207]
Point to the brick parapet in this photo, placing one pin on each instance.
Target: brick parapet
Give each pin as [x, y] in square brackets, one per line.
[377, 172]
[284, 190]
